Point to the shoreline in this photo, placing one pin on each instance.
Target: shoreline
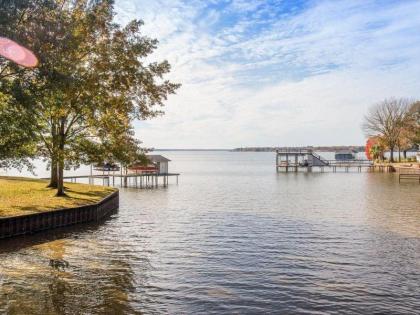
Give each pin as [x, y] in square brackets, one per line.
[23, 215]
[13, 226]
[23, 195]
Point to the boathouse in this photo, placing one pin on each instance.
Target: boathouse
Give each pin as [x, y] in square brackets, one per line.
[294, 159]
[345, 155]
[157, 164]
[161, 163]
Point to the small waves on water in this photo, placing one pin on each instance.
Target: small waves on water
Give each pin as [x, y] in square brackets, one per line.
[266, 265]
[250, 242]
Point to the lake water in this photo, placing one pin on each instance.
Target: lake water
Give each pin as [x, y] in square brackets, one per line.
[232, 237]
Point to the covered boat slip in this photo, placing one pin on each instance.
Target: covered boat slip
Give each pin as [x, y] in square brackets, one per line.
[137, 175]
[157, 164]
[305, 159]
[345, 155]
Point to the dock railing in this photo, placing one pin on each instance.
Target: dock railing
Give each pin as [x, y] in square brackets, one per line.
[294, 150]
[350, 162]
[409, 176]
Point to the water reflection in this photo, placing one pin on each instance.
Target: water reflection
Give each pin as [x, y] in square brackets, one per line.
[238, 238]
[95, 280]
[392, 206]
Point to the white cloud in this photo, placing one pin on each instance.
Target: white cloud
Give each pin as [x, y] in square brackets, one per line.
[260, 79]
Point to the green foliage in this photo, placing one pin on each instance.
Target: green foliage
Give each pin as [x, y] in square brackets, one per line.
[16, 137]
[91, 83]
[376, 151]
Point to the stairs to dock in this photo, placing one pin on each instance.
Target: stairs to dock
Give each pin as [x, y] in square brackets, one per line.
[318, 160]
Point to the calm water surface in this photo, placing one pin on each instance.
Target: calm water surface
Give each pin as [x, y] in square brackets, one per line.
[233, 237]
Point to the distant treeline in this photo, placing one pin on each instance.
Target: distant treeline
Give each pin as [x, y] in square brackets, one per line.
[319, 148]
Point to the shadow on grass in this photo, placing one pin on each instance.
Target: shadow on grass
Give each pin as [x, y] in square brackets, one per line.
[76, 199]
[31, 195]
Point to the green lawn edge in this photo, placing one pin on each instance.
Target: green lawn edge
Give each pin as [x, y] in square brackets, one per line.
[21, 196]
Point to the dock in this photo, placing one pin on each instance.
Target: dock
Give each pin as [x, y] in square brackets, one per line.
[294, 160]
[140, 180]
[409, 176]
[136, 175]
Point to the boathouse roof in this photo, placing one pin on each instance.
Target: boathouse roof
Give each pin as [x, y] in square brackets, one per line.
[157, 158]
[345, 152]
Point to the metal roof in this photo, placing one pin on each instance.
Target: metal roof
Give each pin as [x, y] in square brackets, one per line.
[345, 152]
[157, 158]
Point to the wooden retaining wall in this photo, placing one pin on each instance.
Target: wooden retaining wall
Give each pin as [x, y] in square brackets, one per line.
[31, 223]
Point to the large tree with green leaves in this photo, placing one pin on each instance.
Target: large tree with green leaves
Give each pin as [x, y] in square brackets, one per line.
[92, 81]
[17, 139]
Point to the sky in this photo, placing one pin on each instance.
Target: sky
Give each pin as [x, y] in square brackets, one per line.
[276, 72]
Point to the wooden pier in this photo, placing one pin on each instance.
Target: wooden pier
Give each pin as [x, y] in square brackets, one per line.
[136, 175]
[294, 160]
[409, 176]
[140, 180]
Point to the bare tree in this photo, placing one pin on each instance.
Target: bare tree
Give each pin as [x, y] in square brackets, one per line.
[410, 134]
[386, 119]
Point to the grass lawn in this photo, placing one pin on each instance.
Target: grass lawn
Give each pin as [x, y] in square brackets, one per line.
[20, 196]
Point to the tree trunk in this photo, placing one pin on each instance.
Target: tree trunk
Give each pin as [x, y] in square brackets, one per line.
[391, 155]
[399, 155]
[60, 182]
[405, 154]
[60, 164]
[54, 170]
[54, 174]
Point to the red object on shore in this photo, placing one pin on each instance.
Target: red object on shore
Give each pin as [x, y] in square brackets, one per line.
[369, 144]
[17, 53]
